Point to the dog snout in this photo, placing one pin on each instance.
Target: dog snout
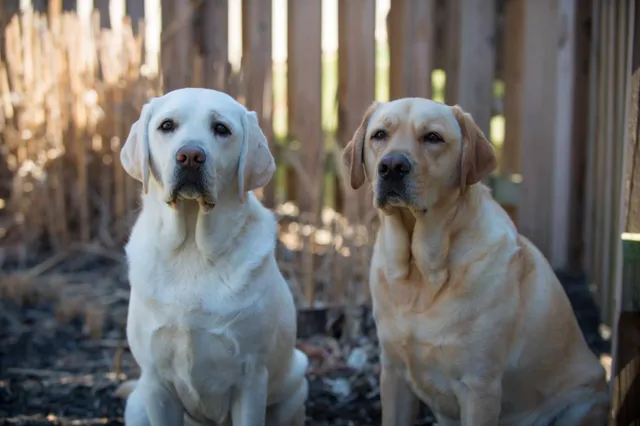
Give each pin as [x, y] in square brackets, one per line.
[190, 156]
[394, 167]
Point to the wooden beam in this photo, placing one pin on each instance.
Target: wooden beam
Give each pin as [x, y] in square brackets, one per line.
[356, 91]
[214, 43]
[563, 153]
[470, 70]
[632, 193]
[356, 64]
[582, 51]
[176, 43]
[411, 27]
[513, 63]
[258, 69]
[304, 70]
[626, 382]
[545, 149]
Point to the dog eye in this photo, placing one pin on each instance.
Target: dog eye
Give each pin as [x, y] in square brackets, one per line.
[221, 130]
[433, 138]
[167, 126]
[379, 135]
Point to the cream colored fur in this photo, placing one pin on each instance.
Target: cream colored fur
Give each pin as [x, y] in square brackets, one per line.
[470, 316]
[211, 320]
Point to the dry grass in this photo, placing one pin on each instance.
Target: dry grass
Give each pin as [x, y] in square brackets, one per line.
[69, 92]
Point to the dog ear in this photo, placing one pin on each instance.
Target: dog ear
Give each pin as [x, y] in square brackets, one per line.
[256, 166]
[353, 154]
[478, 157]
[134, 155]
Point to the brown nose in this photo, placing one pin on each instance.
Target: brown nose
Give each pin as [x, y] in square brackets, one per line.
[394, 167]
[190, 156]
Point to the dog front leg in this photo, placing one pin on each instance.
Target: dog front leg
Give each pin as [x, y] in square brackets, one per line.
[163, 408]
[480, 401]
[399, 403]
[249, 406]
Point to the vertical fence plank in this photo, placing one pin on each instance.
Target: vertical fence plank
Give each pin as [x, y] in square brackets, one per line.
[607, 141]
[213, 45]
[411, 27]
[580, 122]
[596, 112]
[258, 68]
[176, 43]
[632, 211]
[513, 62]
[304, 72]
[356, 91]
[591, 141]
[305, 114]
[564, 152]
[356, 84]
[470, 72]
[544, 160]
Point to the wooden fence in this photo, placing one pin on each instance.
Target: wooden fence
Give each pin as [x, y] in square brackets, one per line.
[62, 129]
[612, 201]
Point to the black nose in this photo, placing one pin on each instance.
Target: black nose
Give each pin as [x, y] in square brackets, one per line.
[394, 167]
[190, 156]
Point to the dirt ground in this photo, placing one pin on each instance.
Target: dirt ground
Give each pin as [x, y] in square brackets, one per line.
[60, 362]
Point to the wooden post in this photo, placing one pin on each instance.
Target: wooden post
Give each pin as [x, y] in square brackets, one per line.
[304, 93]
[214, 44]
[626, 340]
[258, 68]
[135, 10]
[470, 70]
[513, 33]
[305, 118]
[545, 141]
[411, 27]
[356, 86]
[512, 59]
[177, 44]
[582, 49]
[356, 91]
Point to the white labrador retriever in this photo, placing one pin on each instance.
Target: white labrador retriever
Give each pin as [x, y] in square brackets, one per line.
[211, 322]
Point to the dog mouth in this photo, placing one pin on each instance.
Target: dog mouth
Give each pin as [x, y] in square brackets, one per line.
[391, 195]
[191, 186]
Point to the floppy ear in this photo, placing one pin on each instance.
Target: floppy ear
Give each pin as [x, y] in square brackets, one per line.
[134, 155]
[256, 166]
[353, 154]
[478, 158]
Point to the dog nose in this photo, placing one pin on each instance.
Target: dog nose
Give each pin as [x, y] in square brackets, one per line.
[190, 156]
[394, 167]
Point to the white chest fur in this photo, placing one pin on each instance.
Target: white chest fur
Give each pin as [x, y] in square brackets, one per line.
[192, 320]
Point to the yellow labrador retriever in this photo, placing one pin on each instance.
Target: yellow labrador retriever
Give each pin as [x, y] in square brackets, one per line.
[211, 320]
[471, 318]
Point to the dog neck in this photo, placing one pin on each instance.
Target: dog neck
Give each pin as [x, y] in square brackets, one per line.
[213, 232]
[418, 245]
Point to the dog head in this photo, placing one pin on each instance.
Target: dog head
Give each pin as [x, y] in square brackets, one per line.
[197, 144]
[414, 151]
